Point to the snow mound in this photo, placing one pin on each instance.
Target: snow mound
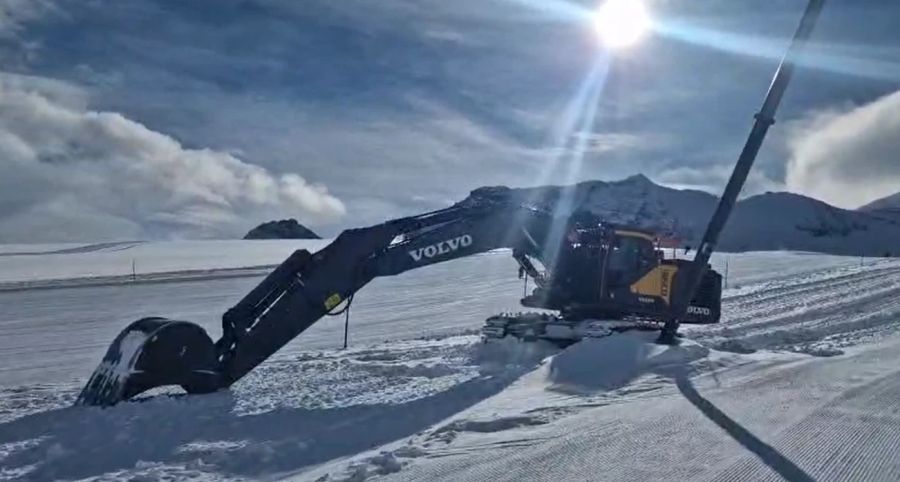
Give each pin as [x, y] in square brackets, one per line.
[382, 464]
[734, 346]
[502, 355]
[611, 362]
[489, 426]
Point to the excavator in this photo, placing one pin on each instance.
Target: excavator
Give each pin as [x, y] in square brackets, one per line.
[604, 278]
[589, 271]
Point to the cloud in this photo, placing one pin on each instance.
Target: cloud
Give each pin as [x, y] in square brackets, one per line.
[847, 157]
[406, 107]
[68, 173]
[14, 13]
[17, 48]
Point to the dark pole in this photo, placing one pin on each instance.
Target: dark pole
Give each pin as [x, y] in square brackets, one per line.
[346, 325]
[764, 119]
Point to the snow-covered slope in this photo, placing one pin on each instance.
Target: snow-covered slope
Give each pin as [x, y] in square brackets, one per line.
[771, 221]
[891, 202]
[633, 201]
[419, 397]
[678, 414]
[24, 266]
[786, 221]
[887, 208]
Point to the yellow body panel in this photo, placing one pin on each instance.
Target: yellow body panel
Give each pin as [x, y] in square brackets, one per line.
[332, 301]
[657, 283]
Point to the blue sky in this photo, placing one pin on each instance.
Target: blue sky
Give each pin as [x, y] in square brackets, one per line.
[172, 118]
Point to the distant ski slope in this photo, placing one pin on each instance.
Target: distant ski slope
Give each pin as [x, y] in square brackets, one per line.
[43, 265]
[419, 397]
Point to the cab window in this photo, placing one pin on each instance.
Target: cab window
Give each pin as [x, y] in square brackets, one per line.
[631, 254]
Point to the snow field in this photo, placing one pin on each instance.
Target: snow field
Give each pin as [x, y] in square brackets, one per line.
[418, 396]
[23, 266]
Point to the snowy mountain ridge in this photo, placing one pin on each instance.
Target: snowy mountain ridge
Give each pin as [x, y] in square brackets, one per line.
[770, 221]
[889, 203]
[887, 208]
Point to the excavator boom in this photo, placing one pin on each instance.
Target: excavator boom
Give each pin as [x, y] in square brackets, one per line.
[764, 119]
[306, 287]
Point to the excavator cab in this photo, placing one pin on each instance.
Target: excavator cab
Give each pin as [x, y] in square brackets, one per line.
[632, 254]
[606, 271]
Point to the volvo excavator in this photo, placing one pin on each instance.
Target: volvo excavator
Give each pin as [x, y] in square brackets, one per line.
[584, 270]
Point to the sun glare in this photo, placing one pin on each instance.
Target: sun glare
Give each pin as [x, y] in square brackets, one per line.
[621, 23]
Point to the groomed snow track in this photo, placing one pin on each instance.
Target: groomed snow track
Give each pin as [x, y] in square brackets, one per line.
[740, 401]
[817, 313]
[793, 421]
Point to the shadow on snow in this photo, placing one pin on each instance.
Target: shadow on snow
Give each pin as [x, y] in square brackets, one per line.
[204, 432]
[607, 364]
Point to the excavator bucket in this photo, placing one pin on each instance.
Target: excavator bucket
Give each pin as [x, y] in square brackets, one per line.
[153, 352]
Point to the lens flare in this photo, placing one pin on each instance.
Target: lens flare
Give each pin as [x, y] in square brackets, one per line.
[621, 23]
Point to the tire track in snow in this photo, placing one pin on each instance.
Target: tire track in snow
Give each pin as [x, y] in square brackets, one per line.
[841, 307]
[808, 282]
[877, 310]
[772, 301]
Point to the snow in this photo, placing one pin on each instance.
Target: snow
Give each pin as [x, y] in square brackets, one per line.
[798, 382]
[807, 224]
[26, 264]
[885, 203]
[128, 348]
[611, 362]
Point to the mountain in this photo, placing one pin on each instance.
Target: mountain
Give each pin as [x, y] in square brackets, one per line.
[770, 221]
[887, 208]
[787, 221]
[283, 229]
[890, 203]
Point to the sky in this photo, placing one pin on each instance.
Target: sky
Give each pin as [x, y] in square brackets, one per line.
[159, 119]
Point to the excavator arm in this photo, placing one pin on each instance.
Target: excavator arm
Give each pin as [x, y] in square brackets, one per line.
[302, 290]
[764, 119]
[306, 287]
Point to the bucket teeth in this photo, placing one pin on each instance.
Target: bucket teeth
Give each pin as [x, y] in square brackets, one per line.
[107, 383]
[153, 352]
[104, 387]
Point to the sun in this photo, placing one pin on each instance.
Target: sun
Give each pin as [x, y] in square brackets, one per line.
[621, 23]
